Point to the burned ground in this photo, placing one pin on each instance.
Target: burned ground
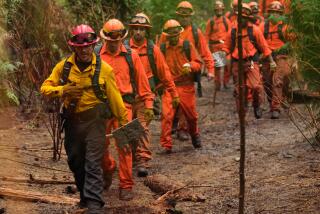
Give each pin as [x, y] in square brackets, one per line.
[282, 169]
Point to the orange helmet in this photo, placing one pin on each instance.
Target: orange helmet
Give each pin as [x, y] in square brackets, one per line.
[140, 19]
[218, 5]
[254, 7]
[172, 28]
[276, 6]
[234, 4]
[185, 8]
[246, 10]
[113, 30]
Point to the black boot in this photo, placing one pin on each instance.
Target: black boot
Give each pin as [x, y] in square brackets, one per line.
[275, 114]
[95, 208]
[142, 171]
[182, 135]
[107, 177]
[257, 112]
[196, 142]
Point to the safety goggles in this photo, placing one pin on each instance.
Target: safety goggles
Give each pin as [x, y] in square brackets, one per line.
[115, 35]
[139, 20]
[84, 38]
[246, 12]
[184, 11]
[171, 32]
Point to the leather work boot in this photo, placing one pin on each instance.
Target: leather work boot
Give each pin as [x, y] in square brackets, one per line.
[182, 135]
[107, 178]
[275, 114]
[196, 142]
[94, 208]
[142, 171]
[125, 194]
[257, 112]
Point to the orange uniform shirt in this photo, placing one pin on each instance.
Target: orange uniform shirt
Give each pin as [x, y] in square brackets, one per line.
[232, 18]
[163, 71]
[273, 39]
[285, 3]
[216, 34]
[121, 69]
[248, 48]
[202, 48]
[176, 58]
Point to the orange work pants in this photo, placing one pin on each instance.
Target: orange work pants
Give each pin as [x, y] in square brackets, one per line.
[125, 157]
[253, 82]
[143, 153]
[276, 82]
[188, 107]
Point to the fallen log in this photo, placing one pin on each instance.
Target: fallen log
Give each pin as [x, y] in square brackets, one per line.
[34, 180]
[36, 197]
[172, 190]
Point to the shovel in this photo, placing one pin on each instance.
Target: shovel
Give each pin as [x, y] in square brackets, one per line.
[127, 134]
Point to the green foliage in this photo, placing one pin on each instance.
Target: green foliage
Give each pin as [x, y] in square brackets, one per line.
[305, 19]
[97, 12]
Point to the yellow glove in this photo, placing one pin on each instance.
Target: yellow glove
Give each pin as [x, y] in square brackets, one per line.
[175, 102]
[148, 114]
[186, 69]
[72, 90]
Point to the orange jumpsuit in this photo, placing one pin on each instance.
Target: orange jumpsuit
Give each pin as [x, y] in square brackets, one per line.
[275, 82]
[176, 58]
[121, 70]
[143, 152]
[202, 50]
[232, 18]
[216, 35]
[251, 68]
[263, 5]
[258, 20]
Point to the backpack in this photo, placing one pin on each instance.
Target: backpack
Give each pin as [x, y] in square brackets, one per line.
[187, 52]
[95, 79]
[266, 32]
[195, 34]
[186, 49]
[252, 39]
[150, 46]
[129, 98]
[224, 19]
[95, 87]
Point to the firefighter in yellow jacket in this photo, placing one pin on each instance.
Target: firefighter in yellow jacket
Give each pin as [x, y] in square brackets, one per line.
[88, 88]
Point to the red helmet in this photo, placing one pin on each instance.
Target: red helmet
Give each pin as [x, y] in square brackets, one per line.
[113, 30]
[83, 35]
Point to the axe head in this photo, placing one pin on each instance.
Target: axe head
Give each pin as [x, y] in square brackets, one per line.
[129, 133]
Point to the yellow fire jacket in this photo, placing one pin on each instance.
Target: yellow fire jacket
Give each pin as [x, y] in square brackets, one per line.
[51, 87]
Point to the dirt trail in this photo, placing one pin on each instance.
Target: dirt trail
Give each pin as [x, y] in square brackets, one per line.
[282, 170]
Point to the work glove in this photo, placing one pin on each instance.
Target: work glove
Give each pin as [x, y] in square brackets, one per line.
[72, 90]
[148, 114]
[186, 69]
[273, 65]
[175, 102]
